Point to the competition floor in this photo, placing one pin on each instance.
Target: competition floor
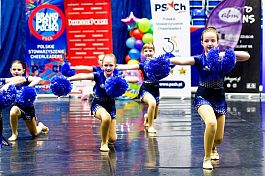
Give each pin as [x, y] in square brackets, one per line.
[72, 146]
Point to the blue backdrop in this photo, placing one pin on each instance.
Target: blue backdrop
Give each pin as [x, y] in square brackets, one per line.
[12, 34]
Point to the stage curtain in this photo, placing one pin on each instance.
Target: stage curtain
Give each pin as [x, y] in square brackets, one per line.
[121, 9]
[13, 45]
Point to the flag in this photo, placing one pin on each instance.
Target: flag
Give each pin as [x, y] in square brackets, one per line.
[227, 18]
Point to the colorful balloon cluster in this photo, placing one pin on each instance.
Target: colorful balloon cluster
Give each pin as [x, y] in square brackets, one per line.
[141, 32]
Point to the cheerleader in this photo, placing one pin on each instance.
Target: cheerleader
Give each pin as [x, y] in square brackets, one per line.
[20, 110]
[103, 103]
[210, 96]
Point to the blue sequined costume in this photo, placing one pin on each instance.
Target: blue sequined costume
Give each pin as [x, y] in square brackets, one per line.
[2, 83]
[27, 113]
[148, 86]
[101, 99]
[211, 87]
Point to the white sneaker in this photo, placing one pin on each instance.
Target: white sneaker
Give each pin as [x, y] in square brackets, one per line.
[207, 164]
[214, 154]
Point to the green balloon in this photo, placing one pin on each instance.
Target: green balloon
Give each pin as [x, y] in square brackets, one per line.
[147, 38]
[144, 25]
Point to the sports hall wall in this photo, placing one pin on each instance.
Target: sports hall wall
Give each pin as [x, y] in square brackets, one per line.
[45, 51]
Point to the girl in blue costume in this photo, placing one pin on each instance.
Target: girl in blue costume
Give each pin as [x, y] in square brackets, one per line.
[4, 84]
[149, 91]
[26, 113]
[210, 96]
[85, 94]
[103, 106]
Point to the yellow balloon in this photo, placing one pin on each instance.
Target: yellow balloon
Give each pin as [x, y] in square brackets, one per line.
[144, 25]
[133, 62]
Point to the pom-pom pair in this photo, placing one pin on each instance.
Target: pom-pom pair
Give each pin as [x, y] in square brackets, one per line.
[116, 86]
[221, 65]
[158, 68]
[26, 96]
[8, 96]
[67, 71]
[60, 86]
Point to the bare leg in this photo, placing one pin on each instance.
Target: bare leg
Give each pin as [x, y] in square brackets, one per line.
[112, 132]
[14, 115]
[150, 101]
[207, 114]
[35, 129]
[218, 136]
[105, 118]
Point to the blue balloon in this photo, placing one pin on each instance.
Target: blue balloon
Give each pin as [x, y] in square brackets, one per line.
[134, 54]
[130, 42]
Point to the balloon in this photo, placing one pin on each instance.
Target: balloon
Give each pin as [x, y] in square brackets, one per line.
[130, 42]
[138, 44]
[134, 53]
[137, 34]
[133, 62]
[144, 25]
[127, 58]
[148, 38]
[150, 30]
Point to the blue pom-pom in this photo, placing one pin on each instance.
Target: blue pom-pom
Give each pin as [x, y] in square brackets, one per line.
[229, 61]
[60, 86]
[116, 86]
[7, 97]
[213, 60]
[67, 71]
[158, 68]
[26, 96]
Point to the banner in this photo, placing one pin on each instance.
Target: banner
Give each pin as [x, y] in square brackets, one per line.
[227, 17]
[89, 30]
[46, 40]
[245, 78]
[171, 33]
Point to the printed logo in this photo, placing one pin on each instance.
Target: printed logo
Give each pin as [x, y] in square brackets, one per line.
[230, 15]
[46, 22]
[172, 5]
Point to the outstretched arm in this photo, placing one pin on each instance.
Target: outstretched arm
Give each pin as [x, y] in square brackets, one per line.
[182, 60]
[131, 79]
[34, 80]
[81, 76]
[242, 56]
[127, 66]
[16, 80]
[82, 67]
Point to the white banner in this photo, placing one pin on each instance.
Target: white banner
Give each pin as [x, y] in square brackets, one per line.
[171, 33]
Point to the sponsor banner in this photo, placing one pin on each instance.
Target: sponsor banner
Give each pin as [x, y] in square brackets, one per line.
[46, 40]
[89, 30]
[171, 33]
[245, 78]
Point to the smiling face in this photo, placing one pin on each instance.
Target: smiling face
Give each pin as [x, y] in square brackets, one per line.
[108, 64]
[148, 50]
[17, 69]
[209, 41]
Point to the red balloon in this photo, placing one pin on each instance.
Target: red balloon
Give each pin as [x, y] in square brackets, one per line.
[136, 33]
[127, 58]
